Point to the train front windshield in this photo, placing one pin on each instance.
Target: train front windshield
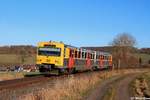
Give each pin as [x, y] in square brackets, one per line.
[49, 51]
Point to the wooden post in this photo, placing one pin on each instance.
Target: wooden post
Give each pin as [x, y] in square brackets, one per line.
[113, 66]
[118, 64]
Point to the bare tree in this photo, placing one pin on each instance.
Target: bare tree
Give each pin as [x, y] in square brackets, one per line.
[123, 45]
[124, 39]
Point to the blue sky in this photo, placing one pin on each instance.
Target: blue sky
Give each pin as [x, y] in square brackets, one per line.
[75, 22]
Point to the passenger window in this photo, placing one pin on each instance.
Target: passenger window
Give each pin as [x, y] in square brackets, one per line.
[76, 54]
[79, 54]
[104, 57]
[96, 56]
[82, 54]
[73, 53]
[85, 55]
[91, 56]
[70, 53]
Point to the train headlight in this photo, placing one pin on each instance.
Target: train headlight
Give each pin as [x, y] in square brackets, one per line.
[56, 61]
[48, 60]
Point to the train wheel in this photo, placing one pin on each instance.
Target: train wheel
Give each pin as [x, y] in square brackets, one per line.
[42, 69]
[61, 72]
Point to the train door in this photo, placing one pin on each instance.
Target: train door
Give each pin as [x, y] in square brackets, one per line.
[71, 59]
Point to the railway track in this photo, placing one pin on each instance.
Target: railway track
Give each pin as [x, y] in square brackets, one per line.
[18, 83]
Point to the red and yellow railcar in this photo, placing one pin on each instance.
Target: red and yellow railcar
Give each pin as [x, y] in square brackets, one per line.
[61, 57]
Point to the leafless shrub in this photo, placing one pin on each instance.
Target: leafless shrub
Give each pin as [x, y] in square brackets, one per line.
[123, 50]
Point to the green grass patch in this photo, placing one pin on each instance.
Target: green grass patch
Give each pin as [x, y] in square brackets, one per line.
[145, 57]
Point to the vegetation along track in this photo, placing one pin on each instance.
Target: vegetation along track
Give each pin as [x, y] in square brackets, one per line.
[18, 83]
[6, 87]
[23, 82]
[15, 88]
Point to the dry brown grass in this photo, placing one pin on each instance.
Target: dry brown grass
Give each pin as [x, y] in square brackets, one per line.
[73, 88]
[10, 75]
[140, 86]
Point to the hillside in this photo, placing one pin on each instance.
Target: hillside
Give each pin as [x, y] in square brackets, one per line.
[16, 55]
[26, 54]
[26, 49]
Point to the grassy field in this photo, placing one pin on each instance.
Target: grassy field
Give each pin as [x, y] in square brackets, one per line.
[16, 59]
[145, 57]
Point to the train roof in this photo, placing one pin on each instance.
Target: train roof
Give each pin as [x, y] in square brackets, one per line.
[73, 47]
[98, 52]
[69, 46]
[83, 49]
